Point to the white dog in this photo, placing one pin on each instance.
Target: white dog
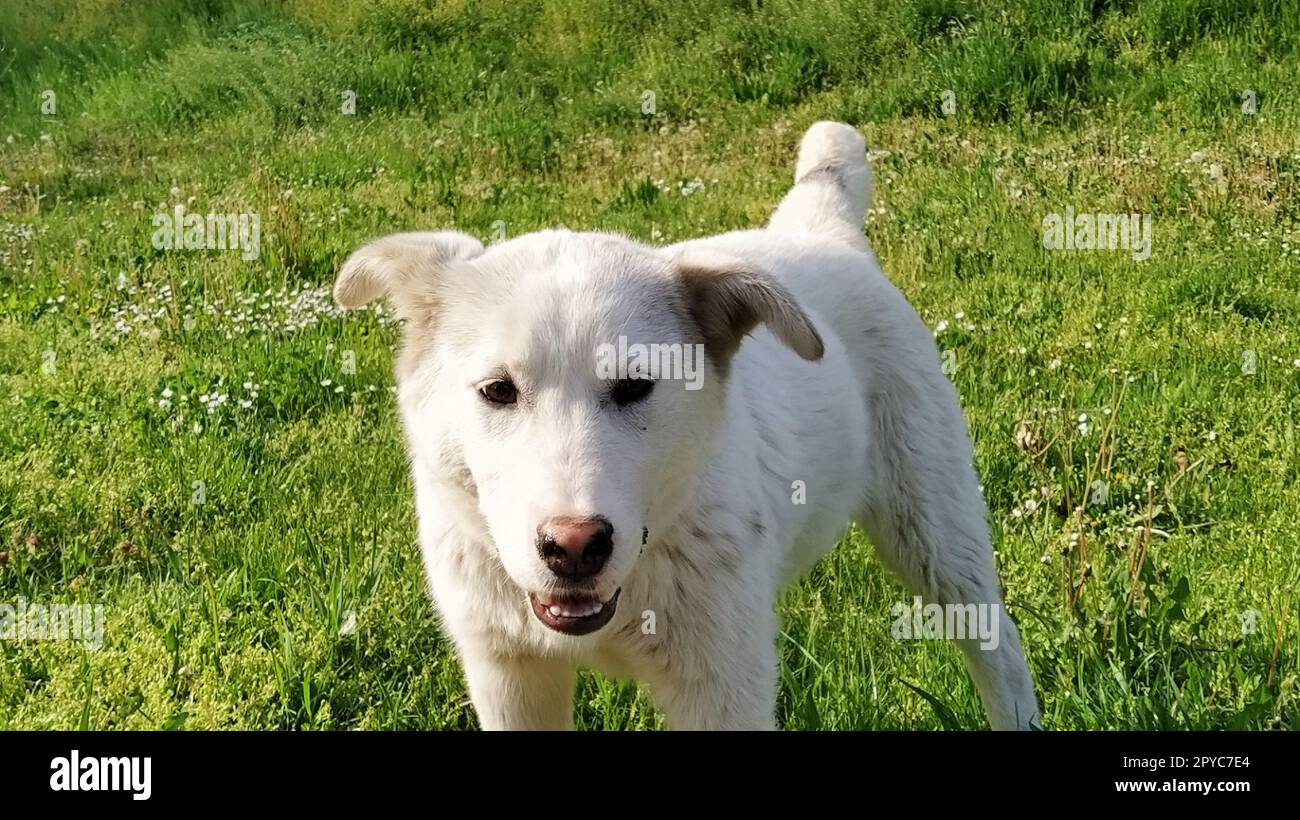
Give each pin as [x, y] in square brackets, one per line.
[585, 503]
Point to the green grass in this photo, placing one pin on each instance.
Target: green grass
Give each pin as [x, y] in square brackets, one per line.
[232, 613]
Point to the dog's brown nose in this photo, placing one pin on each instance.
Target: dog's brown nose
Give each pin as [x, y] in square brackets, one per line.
[575, 548]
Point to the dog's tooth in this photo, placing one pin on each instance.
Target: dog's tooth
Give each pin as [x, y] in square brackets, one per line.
[580, 609]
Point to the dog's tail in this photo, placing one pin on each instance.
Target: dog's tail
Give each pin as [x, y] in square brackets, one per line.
[832, 185]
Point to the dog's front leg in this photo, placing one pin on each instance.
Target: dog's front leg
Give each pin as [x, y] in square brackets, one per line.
[723, 677]
[520, 692]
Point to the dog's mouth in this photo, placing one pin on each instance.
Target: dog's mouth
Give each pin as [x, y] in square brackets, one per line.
[573, 613]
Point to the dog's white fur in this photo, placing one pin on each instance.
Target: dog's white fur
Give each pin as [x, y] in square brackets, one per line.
[821, 378]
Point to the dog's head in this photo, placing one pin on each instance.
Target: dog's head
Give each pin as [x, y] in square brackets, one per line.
[571, 386]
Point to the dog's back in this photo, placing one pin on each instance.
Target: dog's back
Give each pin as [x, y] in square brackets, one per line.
[811, 420]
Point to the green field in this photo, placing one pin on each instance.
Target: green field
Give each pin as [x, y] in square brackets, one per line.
[285, 590]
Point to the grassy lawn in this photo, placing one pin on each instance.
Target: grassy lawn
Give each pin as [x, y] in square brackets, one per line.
[204, 446]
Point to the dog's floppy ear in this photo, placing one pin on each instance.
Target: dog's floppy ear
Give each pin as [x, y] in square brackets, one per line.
[404, 266]
[728, 297]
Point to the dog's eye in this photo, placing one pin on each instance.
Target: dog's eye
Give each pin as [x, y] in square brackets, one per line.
[627, 391]
[499, 391]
